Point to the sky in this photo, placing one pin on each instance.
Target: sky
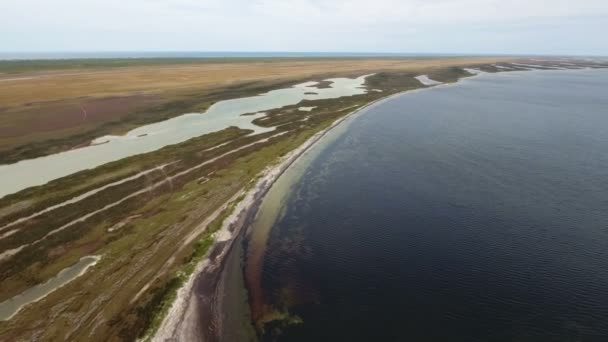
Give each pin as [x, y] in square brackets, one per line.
[566, 27]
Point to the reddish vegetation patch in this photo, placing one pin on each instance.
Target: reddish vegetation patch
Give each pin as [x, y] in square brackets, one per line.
[253, 278]
[61, 115]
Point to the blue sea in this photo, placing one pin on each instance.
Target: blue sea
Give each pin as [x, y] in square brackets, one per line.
[470, 212]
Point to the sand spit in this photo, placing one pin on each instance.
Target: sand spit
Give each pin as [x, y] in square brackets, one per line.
[183, 322]
[473, 71]
[197, 310]
[425, 80]
[16, 79]
[306, 109]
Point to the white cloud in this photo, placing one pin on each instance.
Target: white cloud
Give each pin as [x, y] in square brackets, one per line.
[293, 24]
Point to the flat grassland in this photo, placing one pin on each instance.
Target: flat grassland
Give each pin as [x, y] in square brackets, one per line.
[50, 106]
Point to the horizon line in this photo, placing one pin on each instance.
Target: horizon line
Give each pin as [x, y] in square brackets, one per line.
[202, 54]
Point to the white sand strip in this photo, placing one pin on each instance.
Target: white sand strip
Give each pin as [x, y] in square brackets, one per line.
[83, 196]
[473, 71]
[533, 66]
[425, 80]
[306, 109]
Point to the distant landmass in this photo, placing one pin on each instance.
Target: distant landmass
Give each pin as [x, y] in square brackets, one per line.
[216, 54]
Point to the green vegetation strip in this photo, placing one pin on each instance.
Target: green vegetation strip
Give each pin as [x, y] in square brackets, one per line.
[157, 308]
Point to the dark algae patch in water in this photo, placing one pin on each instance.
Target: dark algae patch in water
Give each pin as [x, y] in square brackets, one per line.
[471, 212]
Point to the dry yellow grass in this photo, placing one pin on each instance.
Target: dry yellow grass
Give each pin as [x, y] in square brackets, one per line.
[50, 86]
[45, 112]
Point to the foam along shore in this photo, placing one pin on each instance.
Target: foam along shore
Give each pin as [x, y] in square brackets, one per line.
[181, 322]
[148, 138]
[12, 306]
[425, 80]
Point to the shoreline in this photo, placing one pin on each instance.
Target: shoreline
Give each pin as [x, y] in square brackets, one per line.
[182, 320]
[312, 258]
[156, 254]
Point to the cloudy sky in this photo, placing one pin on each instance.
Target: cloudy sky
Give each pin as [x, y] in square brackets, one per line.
[410, 26]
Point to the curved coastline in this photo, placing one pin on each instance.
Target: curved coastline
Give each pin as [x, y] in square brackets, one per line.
[312, 256]
[189, 218]
[183, 320]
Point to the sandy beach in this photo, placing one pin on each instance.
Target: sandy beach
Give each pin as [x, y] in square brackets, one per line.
[184, 321]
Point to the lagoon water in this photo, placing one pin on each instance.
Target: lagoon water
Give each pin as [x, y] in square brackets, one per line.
[469, 212]
[12, 306]
[148, 138]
